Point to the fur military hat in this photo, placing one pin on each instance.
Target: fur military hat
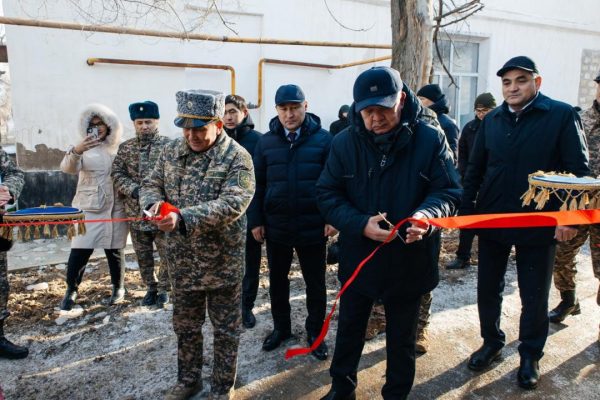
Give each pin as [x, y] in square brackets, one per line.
[196, 108]
[144, 110]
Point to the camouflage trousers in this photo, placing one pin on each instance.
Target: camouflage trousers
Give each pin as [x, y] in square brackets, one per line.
[143, 245]
[4, 288]
[377, 318]
[224, 311]
[565, 268]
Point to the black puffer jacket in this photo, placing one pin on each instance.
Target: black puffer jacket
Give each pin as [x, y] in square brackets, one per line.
[442, 108]
[359, 180]
[465, 144]
[286, 176]
[547, 136]
[247, 137]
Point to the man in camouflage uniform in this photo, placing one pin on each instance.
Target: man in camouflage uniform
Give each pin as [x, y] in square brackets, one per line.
[564, 264]
[209, 178]
[134, 161]
[10, 187]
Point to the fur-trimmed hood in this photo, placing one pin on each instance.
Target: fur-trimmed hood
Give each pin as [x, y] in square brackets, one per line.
[109, 117]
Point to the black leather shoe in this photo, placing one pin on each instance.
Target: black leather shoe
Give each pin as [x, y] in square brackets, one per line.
[248, 319]
[333, 395]
[275, 339]
[118, 295]
[568, 306]
[150, 298]
[321, 352]
[484, 357]
[68, 301]
[12, 351]
[529, 373]
[161, 299]
[459, 263]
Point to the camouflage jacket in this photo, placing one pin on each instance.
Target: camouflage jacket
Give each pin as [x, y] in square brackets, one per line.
[12, 176]
[591, 126]
[212, 190]
[134, 161]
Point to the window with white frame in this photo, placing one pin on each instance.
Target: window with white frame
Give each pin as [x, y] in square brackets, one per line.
[462, 60]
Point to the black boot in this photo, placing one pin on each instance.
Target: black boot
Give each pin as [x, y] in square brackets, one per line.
[68, 301]
[162, 299]
[150, 298]
[118, 295]
[569, 305]
[8, 349]
[248, 319]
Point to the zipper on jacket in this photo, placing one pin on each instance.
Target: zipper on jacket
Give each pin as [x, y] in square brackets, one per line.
[383, 161]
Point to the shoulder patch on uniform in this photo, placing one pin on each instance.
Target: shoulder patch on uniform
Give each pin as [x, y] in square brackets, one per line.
[245, 179]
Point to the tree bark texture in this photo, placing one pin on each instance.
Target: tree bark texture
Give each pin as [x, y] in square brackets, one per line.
[412, 32]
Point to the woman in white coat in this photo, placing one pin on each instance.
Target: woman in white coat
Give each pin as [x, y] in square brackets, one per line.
[92, 158]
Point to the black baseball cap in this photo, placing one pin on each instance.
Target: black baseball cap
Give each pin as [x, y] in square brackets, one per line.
[378, 86]
[520, 62]
[289, 94]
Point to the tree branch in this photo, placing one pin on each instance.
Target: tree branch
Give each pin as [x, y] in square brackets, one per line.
[344, 26]
[437, 47]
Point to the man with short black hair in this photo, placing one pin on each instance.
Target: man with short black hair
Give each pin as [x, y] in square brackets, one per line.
[288, 161]
[507, 149]
[134, 161]
[390, 166]
[239, 125]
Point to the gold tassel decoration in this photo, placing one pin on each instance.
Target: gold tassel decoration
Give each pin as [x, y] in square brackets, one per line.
[528, 196]
[4, 232]
[81, 228]
[541, 199]
[55, 232]
[584, 200]
[573, 204]
[27, 235]
[36, 232]
[71, 231]
[19, 234]
[47, 231]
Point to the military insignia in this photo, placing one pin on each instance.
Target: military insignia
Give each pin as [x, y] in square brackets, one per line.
[245, 179]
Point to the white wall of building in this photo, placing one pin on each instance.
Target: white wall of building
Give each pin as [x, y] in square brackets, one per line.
[51, 80]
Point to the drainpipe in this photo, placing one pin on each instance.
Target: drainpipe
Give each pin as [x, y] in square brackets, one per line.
[178, 35]
[304, 64]
[92, 61]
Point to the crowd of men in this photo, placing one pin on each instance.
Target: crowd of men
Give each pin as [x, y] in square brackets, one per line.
[394, 155]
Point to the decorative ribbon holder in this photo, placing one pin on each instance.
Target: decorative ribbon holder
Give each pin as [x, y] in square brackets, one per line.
[573, 192]
[37, 221]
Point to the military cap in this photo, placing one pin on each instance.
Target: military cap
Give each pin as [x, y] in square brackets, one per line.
[520, 62]
[196, 108]
[144, 110]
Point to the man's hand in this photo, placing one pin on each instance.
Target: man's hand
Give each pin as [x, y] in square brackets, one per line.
[259, 233]
[373, 231]
[88, 143]
[330, 230]
[564, 233]
[5, 195]
[169, 222]
[417, 229]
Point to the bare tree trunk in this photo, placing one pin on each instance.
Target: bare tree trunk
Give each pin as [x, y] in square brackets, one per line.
[412, 30]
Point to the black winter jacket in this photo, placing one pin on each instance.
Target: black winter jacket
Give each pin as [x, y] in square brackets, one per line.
[442, 108]
[547, 136]
[286, 176]
[247, 137]
[359, 181]
[465, 144]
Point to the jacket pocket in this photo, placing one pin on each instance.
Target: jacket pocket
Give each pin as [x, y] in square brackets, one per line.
[89, 198]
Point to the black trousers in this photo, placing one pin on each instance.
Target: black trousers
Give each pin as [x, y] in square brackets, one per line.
[401, 324]
[465, 242]
[78, 260]
[534, 271]
[312, 264]
[251, 272]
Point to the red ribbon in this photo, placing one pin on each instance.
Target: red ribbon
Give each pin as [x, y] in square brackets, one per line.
[487, 221]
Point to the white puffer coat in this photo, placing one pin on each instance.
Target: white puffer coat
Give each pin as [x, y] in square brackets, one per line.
[95, 194]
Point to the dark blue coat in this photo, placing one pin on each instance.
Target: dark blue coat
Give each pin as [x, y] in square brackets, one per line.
[465, 144]
[359, 180]
[247, 137]
[442, 108]
[286, 176]
[547, 136]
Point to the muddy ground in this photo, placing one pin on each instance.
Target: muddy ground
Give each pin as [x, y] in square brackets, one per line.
[129, 352]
